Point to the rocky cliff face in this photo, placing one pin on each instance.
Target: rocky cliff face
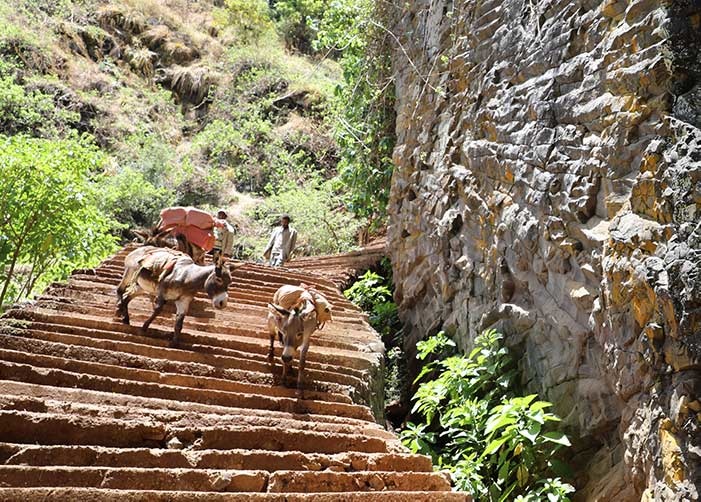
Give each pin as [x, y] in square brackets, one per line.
[548, 184]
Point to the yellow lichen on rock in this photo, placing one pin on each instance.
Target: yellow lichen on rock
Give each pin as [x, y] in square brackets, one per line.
[671, 454]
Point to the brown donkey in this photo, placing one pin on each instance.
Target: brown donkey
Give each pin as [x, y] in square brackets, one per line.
[169, 275]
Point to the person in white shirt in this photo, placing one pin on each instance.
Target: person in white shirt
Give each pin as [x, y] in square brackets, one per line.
[281, 244]
[224, 234]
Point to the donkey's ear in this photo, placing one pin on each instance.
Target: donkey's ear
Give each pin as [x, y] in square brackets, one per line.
[219, 263]
[161, 234]
[140, 234]
[277, 310]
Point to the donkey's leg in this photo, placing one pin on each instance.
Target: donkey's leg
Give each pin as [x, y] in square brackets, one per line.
[182, 305]
[127, 290]
[122, 306]
[271, 351]
[160, 302]
[300, 372]
[125, 297]
[122, 310]
[285, 370]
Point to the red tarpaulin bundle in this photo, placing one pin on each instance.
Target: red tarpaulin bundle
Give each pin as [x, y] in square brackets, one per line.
[196, 225]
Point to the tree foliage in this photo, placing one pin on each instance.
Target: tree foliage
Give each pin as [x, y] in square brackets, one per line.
[49, 216]
[132, 200]
[499, 446]
[248, 19]
[29, 111]
[298, 22]
[366, 118]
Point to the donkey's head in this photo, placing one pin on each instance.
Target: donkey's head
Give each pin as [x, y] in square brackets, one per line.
[217, 283]
[154, 237]
[294, 327]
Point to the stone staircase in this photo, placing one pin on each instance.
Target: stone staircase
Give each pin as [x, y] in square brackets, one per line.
[91, 409]
[343, 268]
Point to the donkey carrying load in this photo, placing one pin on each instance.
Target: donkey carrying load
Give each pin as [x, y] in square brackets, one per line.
[168, 275]
[294, 315]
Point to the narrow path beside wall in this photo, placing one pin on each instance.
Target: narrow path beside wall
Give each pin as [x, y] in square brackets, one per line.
[91, 409]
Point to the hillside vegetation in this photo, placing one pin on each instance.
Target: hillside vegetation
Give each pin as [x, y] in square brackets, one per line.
[229, 104]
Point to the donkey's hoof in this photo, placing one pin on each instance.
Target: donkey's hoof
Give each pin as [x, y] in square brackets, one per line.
[125, 320]
[300, 394]
[173, 344]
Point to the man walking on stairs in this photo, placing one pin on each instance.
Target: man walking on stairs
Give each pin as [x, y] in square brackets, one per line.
[281, 244]
[224, 234]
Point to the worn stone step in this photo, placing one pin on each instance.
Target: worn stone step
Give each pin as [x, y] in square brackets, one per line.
[63, 297]
[103, 363]
[97, 456]
[352, 362]
[237, 380]
[135, 478]
[182, 419]
[52, 429]
[241, 287]
[62, 378]
[244, 283]
[26, 395]
[250, 325]
[222, 480]
[107, 495]
[159, 347]
[90, 409]
[304, 481]
[242, 320]
[162, 358]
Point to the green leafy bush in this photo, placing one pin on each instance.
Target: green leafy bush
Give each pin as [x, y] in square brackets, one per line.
[153, 157]
[200, 189]
[496, 444]
[373, 293]
[248, 19]
[369, 291]
[31, 112]
[132, 200]
[50, 220]
[298, 22]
